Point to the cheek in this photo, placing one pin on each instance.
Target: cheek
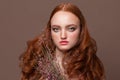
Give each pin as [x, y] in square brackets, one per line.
[74, 36]
[55, 37]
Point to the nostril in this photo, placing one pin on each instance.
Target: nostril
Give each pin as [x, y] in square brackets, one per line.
[63, 36]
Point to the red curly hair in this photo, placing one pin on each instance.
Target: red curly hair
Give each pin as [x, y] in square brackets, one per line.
[81, 62]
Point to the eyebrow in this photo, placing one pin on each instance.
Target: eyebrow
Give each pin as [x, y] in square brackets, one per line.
[71, 25]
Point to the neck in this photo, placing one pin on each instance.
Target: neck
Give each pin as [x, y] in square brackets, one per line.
[59, 54]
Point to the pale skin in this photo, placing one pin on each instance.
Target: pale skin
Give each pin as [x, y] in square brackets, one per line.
[65, 31]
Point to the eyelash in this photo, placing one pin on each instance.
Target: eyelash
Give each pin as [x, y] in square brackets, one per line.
[55, 29]
[71, 29]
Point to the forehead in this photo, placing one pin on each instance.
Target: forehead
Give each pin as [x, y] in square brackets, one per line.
[64, 17]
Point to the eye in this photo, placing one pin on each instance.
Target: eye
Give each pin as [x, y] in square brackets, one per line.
[55, 29]
[71, 29]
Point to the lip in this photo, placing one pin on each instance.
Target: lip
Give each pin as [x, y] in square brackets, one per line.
[64, 42]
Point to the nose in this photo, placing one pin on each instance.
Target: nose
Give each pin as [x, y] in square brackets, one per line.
[63, 34]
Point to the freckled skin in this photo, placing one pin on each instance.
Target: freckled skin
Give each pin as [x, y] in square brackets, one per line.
[63, 22]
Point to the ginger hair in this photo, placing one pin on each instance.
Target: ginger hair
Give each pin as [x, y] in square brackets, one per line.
[80, 62]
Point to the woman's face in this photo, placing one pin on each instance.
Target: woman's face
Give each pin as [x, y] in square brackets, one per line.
[65, 30]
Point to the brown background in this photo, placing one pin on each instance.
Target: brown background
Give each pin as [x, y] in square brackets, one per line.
[22, 20]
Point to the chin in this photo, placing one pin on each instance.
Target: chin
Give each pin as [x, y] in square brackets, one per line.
[64, 49]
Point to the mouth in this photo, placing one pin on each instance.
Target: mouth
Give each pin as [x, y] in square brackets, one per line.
[63, 42]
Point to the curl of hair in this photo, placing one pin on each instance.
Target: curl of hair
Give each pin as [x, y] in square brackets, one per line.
[29, 59]
[80, 62]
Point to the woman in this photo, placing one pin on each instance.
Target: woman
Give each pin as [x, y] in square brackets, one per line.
[63, 51]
